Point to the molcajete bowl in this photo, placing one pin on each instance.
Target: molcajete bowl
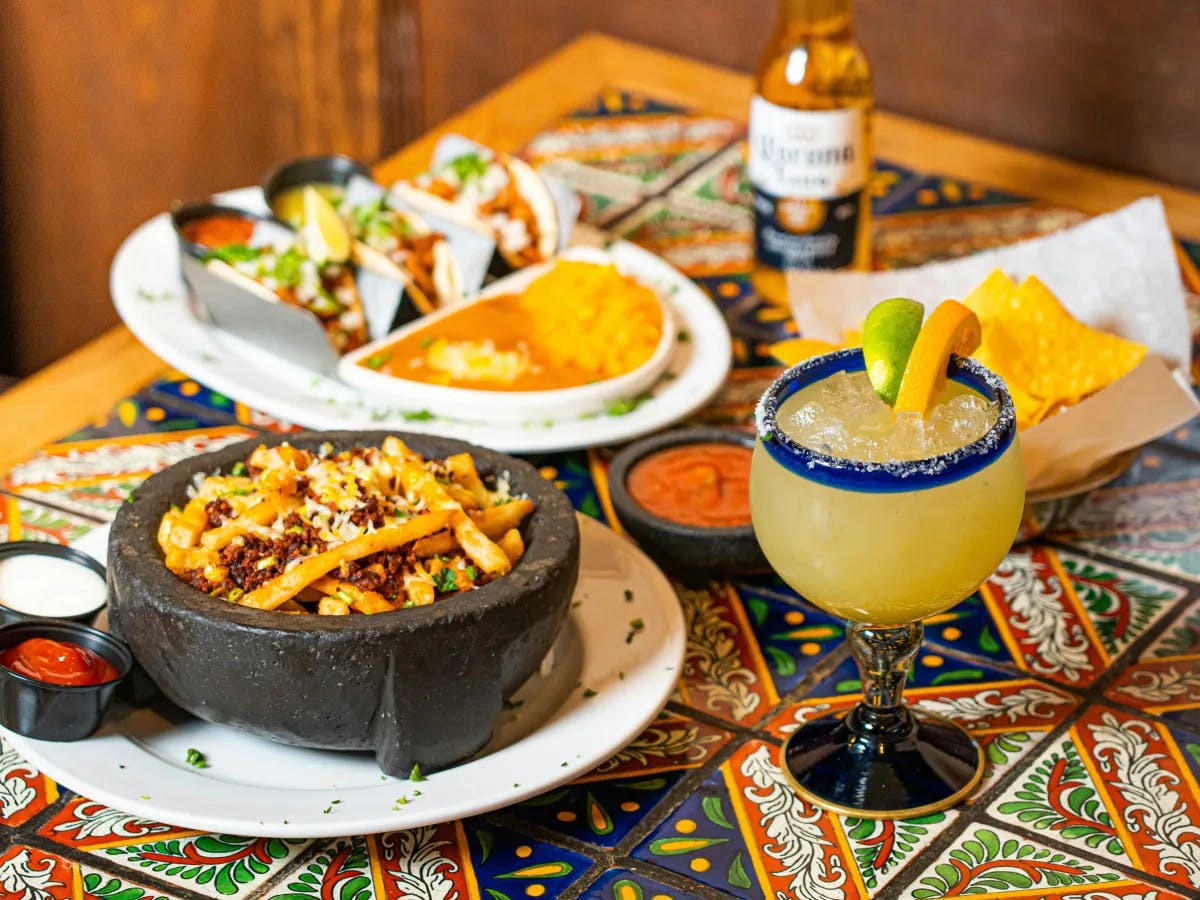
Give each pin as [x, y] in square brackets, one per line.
[416, 686]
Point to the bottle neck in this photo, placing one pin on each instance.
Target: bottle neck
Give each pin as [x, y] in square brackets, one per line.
[822, 17]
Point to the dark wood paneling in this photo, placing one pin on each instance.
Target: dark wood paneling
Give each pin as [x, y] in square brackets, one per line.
[1110, 82]
[112, 111]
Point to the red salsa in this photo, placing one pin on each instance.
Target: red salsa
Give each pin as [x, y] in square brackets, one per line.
[695, 484]
[57, 662]
[218, 231]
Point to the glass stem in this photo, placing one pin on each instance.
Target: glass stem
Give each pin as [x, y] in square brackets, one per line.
[884, 657]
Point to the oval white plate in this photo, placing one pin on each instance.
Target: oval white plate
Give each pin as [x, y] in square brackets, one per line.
[252, 786]
[514, 406]
[151, 299]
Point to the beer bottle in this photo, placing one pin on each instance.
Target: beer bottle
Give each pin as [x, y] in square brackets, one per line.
[810, 146]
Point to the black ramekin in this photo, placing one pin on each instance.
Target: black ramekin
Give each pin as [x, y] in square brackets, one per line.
[42, 548]
[58, 712]
[688, 552]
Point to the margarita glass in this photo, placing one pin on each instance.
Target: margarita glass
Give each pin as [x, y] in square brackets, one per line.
[884, 544]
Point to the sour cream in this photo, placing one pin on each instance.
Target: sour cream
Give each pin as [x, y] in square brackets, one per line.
[39, 585]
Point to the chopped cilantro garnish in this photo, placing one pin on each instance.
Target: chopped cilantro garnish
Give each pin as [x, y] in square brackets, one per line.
[420, 415]
[625, 406]
[240, 492]
[294, 529]
[426, 343]
[635, 626]
[589, 694]
[628, 595]
[238, 468]
[471, 571]
[233, 253]
[468, 166]
[175, 508]
[196, 758]
[378, 360]
[683, 337]
[513, 704]
[445, 580]
[415, 774]
[287, 267]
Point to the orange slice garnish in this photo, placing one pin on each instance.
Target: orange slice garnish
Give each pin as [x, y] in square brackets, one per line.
[950, 328]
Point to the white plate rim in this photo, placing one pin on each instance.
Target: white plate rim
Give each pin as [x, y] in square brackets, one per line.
[584, 732]
[151, 300]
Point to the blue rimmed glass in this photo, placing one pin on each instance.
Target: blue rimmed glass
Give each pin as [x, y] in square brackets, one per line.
[884, 545]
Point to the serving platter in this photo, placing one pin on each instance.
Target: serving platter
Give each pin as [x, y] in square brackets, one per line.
[599, 690]
[153, 301]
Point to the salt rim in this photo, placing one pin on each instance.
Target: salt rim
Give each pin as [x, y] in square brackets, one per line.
[997, 438]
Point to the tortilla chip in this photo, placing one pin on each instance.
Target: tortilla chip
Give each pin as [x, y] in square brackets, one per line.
[1048, 358]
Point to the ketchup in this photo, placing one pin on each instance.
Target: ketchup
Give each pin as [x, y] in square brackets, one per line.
[695, 484]
[57, 662]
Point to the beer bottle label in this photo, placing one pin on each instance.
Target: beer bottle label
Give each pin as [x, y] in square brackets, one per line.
[809, 171]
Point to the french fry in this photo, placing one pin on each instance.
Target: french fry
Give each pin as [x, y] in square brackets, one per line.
[291, 582]
[512, 545]
[332, 606]
[496, 520]
[261, 513]
[292, 607]
[475, 543]
[462, 469]
[188, 559]
[419, 593]
[191, 521]
[460, 495]
[367, 602]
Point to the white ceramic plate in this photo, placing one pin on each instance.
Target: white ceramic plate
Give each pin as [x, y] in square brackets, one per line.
[136, 762]
[152, 300]
[513, 406]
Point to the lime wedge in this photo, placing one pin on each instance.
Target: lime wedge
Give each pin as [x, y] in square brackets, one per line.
[889, 332]
[326, 238]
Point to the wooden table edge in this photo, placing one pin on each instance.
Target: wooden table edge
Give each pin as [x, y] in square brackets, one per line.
[84, 385]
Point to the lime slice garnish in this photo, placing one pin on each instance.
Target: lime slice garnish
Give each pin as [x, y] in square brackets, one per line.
[326, 238]
[889, 332]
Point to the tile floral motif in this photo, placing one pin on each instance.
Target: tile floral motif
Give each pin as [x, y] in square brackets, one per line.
[28, 873]
[145, 413]
[24, 791]
[1119, 786]
[746, 832]
[604, 805]
[992, 861]
[1009, 718]
[1166, 680]
[26, 520]
[724, 673]
[223, 865]
[1056, 614]
[94, 477]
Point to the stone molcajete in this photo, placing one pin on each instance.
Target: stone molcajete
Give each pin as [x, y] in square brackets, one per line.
[417, 686]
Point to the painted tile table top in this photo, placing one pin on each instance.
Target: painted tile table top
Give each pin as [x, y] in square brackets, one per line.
[1077, 665]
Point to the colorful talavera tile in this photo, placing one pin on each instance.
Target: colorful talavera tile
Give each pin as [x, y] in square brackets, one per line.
[1119, 786]
[1057, 615]
[572, 473]
[936, 192]
[24, 791]
[145, 413]
[792, 636]
[1165, 681]
[507, 866]
[721, 182]
[604, 805]
[724, 672]
[696, 245]
[94, 477]
[1008, 718]
[22, 519]
[913, 238]
[735, 402]
[29, 873]
[622, 884]
[989, 861]
[223, 865]
[745, 831]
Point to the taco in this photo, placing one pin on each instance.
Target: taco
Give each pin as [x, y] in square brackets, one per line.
[401, 245]
[496, 194]
[327, 290]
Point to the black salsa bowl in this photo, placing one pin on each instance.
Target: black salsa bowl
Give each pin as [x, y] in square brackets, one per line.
[422, 685]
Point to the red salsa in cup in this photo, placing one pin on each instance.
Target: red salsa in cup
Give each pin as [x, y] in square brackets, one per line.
[57, 662]
[219, 231]
[706, 484]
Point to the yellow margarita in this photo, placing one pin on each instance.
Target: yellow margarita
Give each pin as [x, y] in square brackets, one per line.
[877, 518]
